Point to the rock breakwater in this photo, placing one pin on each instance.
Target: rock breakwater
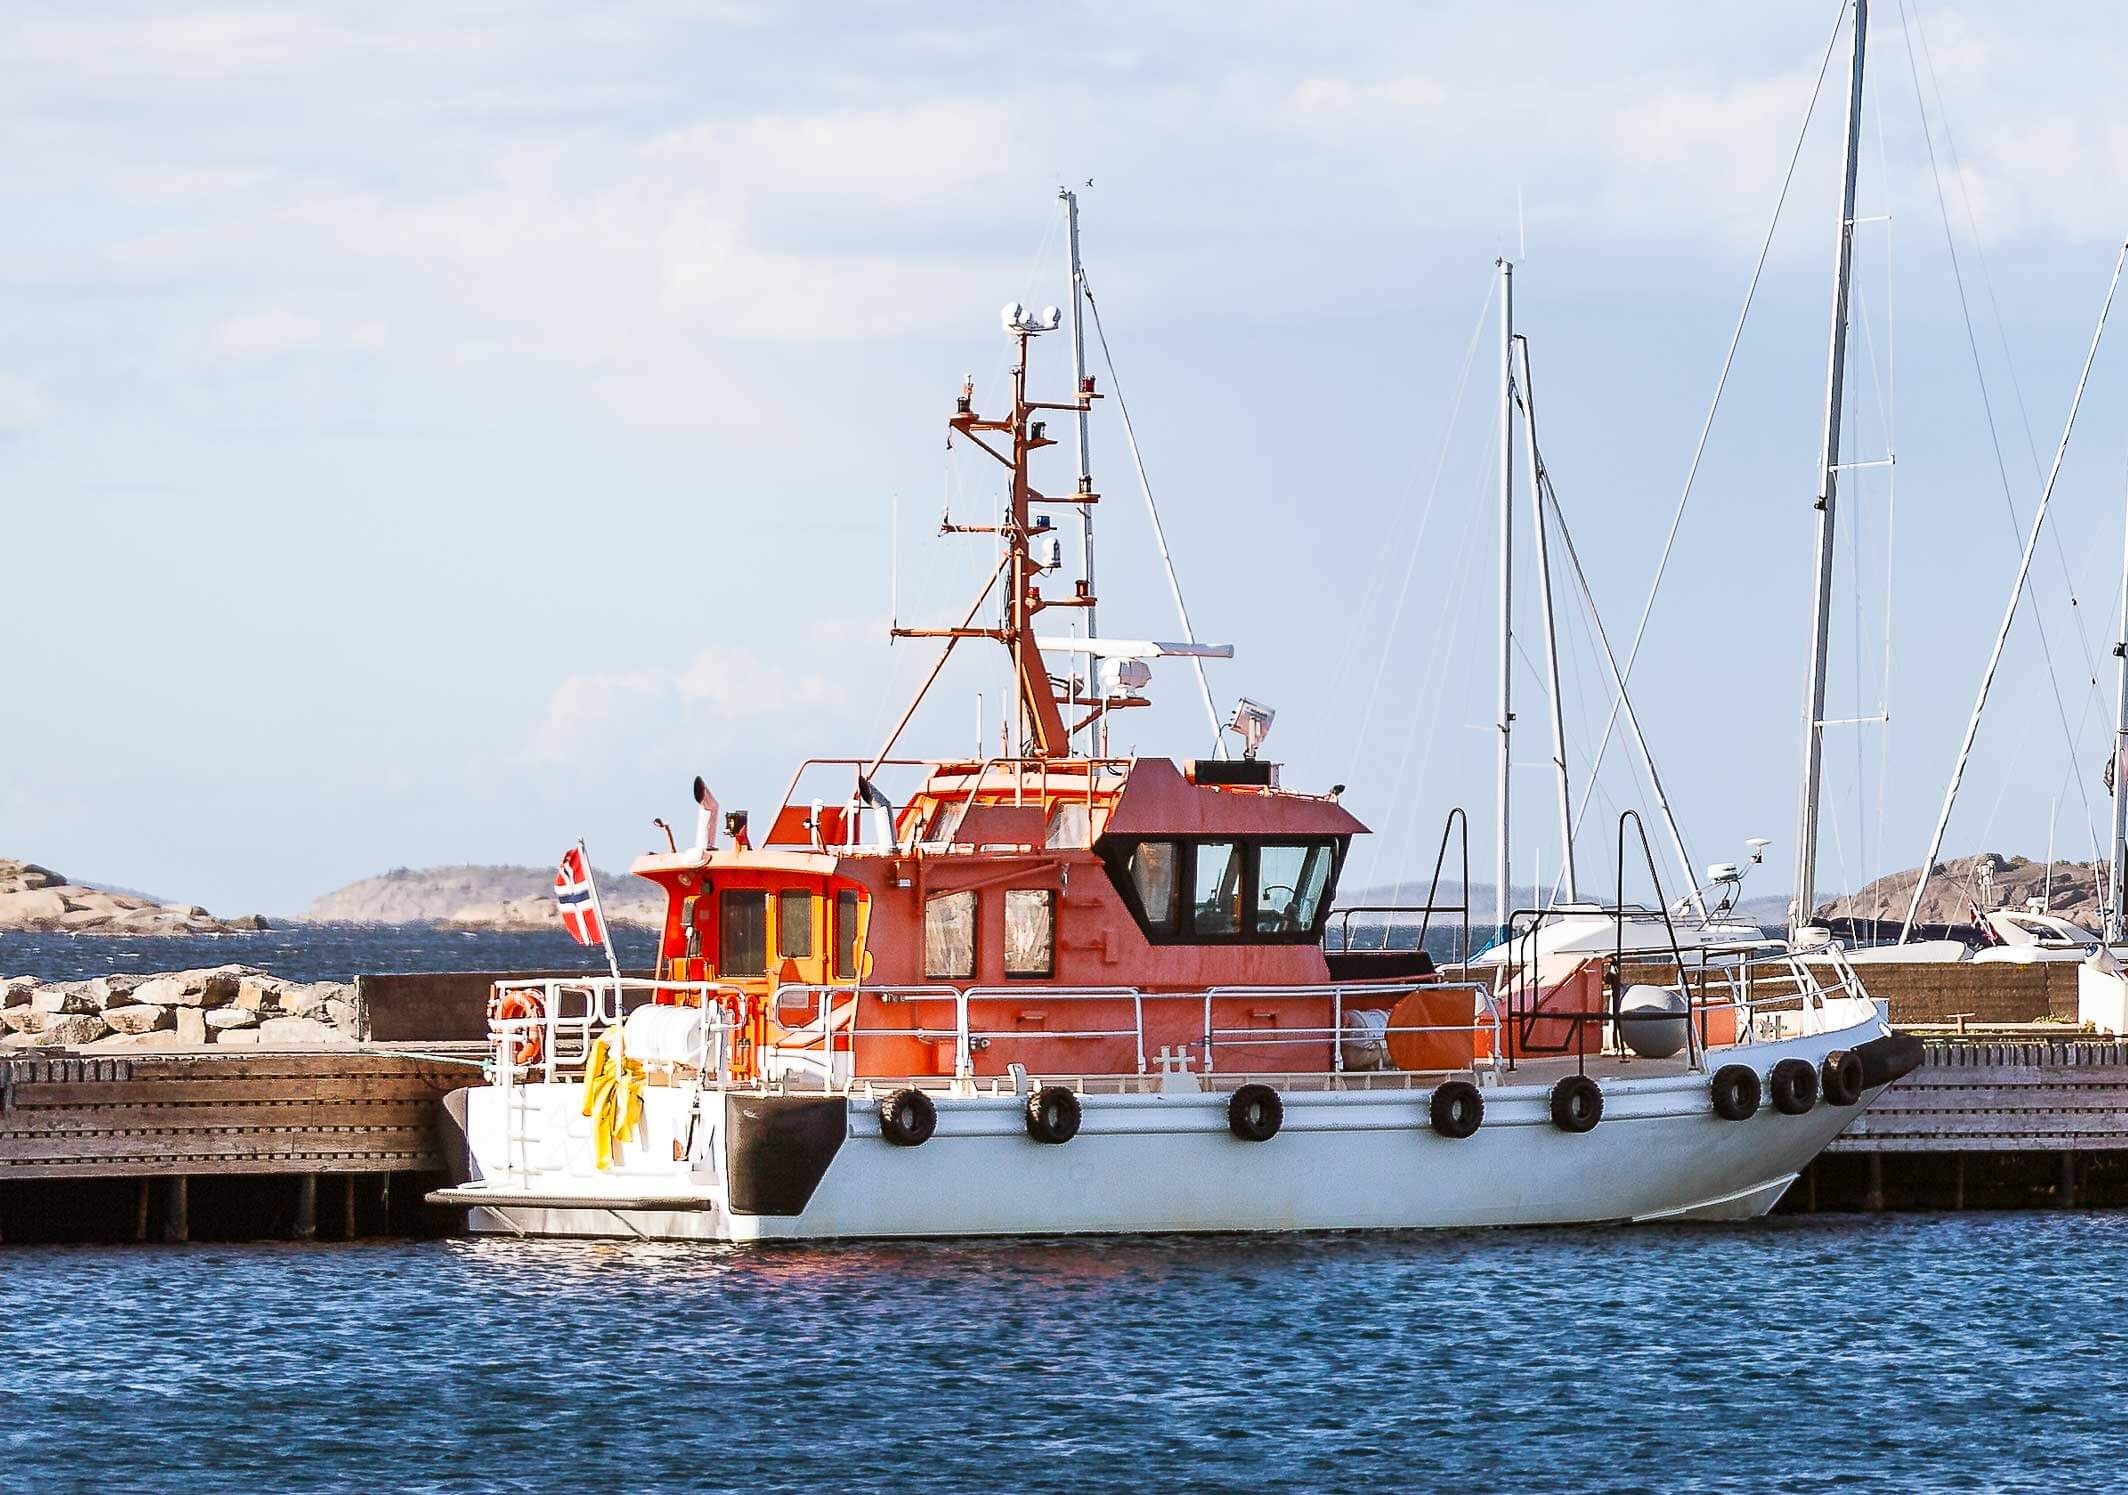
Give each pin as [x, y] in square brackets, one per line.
[228, 1005]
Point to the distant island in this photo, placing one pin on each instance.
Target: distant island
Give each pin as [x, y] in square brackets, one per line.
[37, 898]
[1989, 880]
[477, 897]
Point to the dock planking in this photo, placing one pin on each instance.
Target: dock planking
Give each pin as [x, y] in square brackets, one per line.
[294, 1113]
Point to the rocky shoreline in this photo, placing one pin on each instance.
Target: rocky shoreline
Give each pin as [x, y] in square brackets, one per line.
[37, 899]
[230, 1006]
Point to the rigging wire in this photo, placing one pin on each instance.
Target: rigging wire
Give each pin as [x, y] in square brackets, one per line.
[2046, 648]
[1433, 685]
[1418, 536]
[1145, 486]
[1721, 383]
[2002, 340]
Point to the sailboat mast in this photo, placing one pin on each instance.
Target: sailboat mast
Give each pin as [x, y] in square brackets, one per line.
[1828, 493]
[1501, 905]
[1534, 471]
[2117, 872]
[1078, 381]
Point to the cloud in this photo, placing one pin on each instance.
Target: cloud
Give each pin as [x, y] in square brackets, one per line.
[23, 406]
[720, 693]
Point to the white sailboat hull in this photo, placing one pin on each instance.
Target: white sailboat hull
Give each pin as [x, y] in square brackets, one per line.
[1152, 1162]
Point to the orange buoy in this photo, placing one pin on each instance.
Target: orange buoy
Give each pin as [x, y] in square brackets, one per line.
[520, 1046]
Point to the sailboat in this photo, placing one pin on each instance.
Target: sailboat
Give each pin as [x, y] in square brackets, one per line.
[1053, 990]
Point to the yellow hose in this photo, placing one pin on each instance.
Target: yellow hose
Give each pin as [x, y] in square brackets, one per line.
[613, 1095]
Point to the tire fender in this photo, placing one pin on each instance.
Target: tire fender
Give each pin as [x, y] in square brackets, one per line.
[907, 1118]
[1577, 1104]
[1053, 1114]
[1457, 1109]
[1737, 1092]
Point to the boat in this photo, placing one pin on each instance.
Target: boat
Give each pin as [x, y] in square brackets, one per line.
[1054, 991]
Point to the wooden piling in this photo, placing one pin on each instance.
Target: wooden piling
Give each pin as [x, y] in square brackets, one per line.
[177, 1210]
[306, 1221]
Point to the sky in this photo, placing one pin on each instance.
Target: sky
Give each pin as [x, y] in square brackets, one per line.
[430, 434]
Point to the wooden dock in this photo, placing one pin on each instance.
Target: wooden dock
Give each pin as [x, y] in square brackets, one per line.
[337, 1144]
[258, 1133]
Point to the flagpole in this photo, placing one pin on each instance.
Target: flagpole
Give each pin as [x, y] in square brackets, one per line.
[613, 962]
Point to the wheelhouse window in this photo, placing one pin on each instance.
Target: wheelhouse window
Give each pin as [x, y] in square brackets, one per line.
[949, 936]
[1289, 886]
[1152, 866]
[742, 933]
[1068, 824]
[1215, 906]
[1030, 932]
[1226, 890]
[794, 924]
[945, 820]
[845, 935]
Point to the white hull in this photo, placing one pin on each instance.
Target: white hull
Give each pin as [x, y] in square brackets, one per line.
[1151, 1162]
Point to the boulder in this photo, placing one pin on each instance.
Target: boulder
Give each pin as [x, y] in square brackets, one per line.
[68, 1030]
[133, 1043]
[165, 991]
[16, 991]
[341, 1013]
[294, 1030]
[259, 994]
[245, 1036]
[30, 875]
[21, 1019]
[112, 991]
[221, 1019]
[212, 988]
[30, 908]
[85, 918]
[248, 922]
[191, 1024]
[310, 999]
[64, 997]
[138, 1018]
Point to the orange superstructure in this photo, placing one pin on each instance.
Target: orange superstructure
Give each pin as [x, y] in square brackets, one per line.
[1052, 910]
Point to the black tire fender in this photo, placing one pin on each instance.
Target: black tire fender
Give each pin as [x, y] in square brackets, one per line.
[1737, 1092]
[1577, 1104]
[1842, 1076]
[1794, 1087]
[1255, 1113]
[1053, 1114]
[1457, 1109]
[907, 1118]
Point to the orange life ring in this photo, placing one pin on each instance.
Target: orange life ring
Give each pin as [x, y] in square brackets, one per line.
[521, 1047]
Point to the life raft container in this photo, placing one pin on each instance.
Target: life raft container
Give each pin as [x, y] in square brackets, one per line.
[521, 1046]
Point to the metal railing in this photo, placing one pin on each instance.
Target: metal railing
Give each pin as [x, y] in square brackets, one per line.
[1342, 918]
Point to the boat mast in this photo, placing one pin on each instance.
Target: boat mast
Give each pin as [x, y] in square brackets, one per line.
[1076, 312]
[2116, 906]
[1078, 381]
[1501, 905]
[1828, 494]
[1551, 636]
[1041, 726]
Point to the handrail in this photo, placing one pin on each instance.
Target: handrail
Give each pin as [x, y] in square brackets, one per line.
[1430, 907]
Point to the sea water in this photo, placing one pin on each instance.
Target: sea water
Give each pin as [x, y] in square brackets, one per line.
[1930, 1351]
[1979, 1350]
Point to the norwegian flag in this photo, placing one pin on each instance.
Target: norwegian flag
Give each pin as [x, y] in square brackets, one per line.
[578, 899]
